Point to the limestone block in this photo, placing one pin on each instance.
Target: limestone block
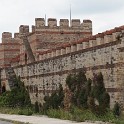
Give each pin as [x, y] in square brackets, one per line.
[24, 29]
[63, 51]
[39, 22]
[115, 35]
[53, 53]
[99, 40]
[75, 23]
[85, 45]
[58, 52]
[79, 46]
[108, 38]
[64, 23]
[52, 22]
[87, 25]
[44, 56]
[73, 48]
[68, 49]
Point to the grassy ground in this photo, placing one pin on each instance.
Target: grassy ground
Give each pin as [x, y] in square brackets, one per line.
[74, 114]
[84, 115]
[20, 111]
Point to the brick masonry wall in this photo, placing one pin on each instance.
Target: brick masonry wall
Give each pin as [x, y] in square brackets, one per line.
[9, 48]
[103, 52]
[44, 76]
[48, 37]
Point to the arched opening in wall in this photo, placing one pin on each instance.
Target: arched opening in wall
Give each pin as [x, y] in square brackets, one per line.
[26, 58]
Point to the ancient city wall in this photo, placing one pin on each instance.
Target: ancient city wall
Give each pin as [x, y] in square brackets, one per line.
[9, 48]
[103, 52]
[44, 37]
[100, 53]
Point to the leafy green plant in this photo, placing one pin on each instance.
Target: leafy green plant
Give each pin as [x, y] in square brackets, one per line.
[77, 84]
[55, 100]
[117, 109]
[36, 107]
[17, 97]
[80, 115]
[99, 94]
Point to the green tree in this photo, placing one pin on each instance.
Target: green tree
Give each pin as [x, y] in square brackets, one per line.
[36, 107]
[100, 95]
[54, 101]
[17, 97]
[116, 109]
[78, 85]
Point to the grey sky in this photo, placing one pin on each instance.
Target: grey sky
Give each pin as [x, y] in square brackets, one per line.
[105, 14]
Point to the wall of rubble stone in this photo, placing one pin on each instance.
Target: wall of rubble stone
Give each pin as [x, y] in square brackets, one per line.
[103, 52]
[44, 76]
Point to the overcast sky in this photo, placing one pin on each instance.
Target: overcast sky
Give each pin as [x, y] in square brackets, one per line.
[105, 14]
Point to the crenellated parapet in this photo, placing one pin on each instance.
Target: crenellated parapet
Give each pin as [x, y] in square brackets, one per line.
[9, 48]
[85, 43]
[60, 50]
[6, 37]
[24, 29]
[75, 24]
[103, 52]
[64, 23]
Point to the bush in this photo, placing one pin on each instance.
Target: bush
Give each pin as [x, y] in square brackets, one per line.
[36, 107]
[25, 111]
[55, 101]
[17, 97]
[80, 115]
[116, 109]
[99, 94]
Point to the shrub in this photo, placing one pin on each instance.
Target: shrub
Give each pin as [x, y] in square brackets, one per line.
[54, 101]
[116, 109]
[17, 97]
[99, 94]
[36, 107]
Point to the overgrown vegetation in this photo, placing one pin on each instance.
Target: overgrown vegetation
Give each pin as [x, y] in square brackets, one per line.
[17, 99]
[80, 115]
[89, 100]
[82, 99]
[55, 100]
[86, 96]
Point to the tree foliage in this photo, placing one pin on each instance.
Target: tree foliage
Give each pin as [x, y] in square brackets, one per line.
[36, 107]
[55, 100]
[80, 87]
[84, 95]
[100, 95]
[116, 109]
[18, 96]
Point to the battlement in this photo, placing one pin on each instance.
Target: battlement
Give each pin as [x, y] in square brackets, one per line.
[6, 35]
[75, 23]
[49, 53]
[63, 23]
[52, 22]
[39, 22]
[24, 29]
[96, 40]
[16, 35]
